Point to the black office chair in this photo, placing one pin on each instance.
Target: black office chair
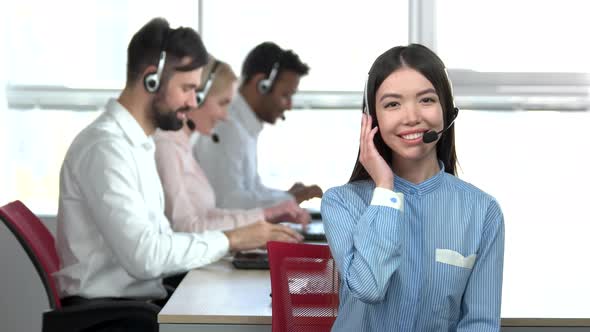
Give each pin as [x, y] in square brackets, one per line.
[100, 315]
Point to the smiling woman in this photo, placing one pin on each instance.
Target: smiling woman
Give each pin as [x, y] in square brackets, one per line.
[405, 225]
[408, 107]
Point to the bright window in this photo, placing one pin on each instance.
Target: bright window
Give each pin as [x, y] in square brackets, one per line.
[312, 146]
[35, 143]
[57, 44]
[514, 36]
[80, 43]
[339, 40]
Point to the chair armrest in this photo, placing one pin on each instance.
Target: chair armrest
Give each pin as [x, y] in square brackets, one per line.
[104, 313]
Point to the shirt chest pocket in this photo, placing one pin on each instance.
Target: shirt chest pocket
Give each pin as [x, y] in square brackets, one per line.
[450, 275]
[451, 257]
[451, 271]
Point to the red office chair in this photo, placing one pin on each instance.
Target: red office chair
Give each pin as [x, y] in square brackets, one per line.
[304, 282]
[107, 315]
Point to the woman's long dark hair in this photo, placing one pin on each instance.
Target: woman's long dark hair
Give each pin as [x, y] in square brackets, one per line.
[427, 63]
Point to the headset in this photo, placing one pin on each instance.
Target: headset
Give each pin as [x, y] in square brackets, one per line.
[452, 115]
[202, 94]
[365, 99]
[152, 81]
[265, 85]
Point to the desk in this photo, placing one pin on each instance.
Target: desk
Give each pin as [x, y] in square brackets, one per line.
[220, 298]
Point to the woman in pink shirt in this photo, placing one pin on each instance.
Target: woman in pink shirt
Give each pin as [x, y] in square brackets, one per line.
[189, 197]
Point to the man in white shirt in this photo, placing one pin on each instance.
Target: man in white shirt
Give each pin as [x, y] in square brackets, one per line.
[270, 77]
[113, 238]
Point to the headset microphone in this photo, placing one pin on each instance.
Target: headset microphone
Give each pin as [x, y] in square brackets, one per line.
[191, 124]
[432, 135]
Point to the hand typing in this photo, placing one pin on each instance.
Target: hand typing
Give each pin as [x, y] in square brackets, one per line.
[287, 211]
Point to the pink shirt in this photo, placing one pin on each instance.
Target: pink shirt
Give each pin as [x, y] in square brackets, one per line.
[189, 197]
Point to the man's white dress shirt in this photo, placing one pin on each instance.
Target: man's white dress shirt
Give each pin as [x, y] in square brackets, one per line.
[113, 239]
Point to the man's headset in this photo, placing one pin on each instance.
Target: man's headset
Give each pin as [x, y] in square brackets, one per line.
[152, 80]
[265, 85]
[202, 94]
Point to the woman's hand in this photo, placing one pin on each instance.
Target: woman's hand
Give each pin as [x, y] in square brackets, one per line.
[376, 166]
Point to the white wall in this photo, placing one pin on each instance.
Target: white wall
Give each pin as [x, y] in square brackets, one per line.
[23, 298]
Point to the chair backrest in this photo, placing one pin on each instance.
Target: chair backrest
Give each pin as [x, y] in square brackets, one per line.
[38, 243]
[304, 282]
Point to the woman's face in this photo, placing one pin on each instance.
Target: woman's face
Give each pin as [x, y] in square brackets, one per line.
[213, 110]
[407, 106]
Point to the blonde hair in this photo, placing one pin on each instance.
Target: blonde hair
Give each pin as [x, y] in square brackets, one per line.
[224, 75]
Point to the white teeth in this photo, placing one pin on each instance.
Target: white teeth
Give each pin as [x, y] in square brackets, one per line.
[412, 136]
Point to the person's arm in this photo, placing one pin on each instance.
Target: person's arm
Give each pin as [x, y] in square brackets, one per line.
[365, 240]
[225, 164]
[128, 226]
[242, 196]
[267, 196]
[183, 208]
[480, 307]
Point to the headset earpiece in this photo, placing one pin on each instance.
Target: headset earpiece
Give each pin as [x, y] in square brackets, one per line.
[152, 81]
[365, 99]
[455, 111]
[202, 94]
[200, 97]
[265, 85]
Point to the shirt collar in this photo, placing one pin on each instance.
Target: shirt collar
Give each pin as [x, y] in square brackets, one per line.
[245, 115]
[423, 188]
[178, 137]
[129, 125]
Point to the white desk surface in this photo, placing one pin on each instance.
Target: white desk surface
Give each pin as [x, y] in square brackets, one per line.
[219, 294]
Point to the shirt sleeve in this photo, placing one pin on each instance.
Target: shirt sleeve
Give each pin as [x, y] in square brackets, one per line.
[183, 208]
[230, 219]
[139, 241]
[270, 196]
[365, 240]
[481, 303]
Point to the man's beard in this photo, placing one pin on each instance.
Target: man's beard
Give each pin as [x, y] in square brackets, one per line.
[268, 114]
[166, 119]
